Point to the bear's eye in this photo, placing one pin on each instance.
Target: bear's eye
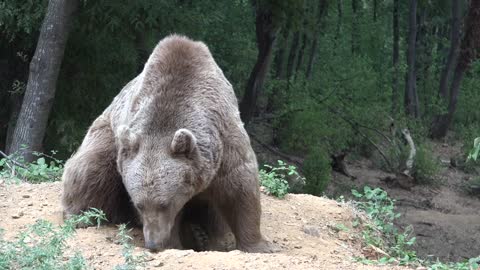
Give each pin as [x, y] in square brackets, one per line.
[140, 207]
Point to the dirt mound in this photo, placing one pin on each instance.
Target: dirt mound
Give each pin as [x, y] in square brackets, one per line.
[304, 227]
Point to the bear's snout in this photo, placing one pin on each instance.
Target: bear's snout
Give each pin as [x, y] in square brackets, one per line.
[156, 235]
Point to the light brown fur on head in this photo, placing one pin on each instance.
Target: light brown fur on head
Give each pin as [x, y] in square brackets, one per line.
[175, 136]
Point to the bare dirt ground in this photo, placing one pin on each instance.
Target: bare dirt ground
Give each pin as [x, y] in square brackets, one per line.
[445, 218]
[303, 226]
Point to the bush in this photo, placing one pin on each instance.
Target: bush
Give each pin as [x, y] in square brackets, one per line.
[274, 179]
[317, 171]
[425, 166]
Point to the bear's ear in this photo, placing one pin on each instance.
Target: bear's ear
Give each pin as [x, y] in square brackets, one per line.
[184, 142]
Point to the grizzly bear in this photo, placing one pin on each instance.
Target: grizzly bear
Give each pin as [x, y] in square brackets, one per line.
[172, 136]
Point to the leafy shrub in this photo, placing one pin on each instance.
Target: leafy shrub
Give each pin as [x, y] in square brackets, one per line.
[317, 171]
[274, 179]
[425, 166]
[42, 245]
[381, 232]
[40, 170]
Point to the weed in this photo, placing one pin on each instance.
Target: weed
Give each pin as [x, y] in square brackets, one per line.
[132, 261]
[381, 233]
[14, 169]
[274, 179]
[42, 245]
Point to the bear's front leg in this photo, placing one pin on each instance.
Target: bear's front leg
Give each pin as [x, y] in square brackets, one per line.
[242, 210]
[91, 179]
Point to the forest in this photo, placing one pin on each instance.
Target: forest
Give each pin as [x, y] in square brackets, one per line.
[325, 86]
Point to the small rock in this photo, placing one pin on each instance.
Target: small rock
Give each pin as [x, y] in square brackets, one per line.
[298, 247]
[311, 230]
[18, 215]
[30, 204]
[26, 196]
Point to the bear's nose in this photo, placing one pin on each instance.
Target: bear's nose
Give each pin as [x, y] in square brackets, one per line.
[152, 246]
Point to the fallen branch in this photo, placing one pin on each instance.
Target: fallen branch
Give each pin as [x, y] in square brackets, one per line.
[413, 152]
[296, 160]
[14, 162]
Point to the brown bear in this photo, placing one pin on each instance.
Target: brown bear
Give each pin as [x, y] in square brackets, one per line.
[172, 136]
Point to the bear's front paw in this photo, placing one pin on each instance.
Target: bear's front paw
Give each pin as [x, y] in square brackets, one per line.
[262, 246]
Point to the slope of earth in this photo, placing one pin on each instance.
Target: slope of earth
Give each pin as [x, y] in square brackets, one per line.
[444, 217]
[304, 227]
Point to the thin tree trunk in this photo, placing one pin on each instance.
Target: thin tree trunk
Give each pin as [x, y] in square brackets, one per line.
[411, 99]
[301, 53]
[395, 57]
[355, 33]
[454, 49]
[281, 54]
[375, 6]
[469, 52]
[44, 70]
[266, 34]
[339, 21]
[321, 10]
[292, 56]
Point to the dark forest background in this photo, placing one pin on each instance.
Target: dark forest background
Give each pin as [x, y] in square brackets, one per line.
[316, 80]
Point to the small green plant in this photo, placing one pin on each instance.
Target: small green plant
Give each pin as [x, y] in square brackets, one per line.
[471, 264]
[13, 168]
[42, 245]
[381, 232]
[474, 153]
[274, 179]
[132, 261]
[425, 167]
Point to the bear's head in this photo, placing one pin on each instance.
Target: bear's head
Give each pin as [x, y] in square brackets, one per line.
[160, 175]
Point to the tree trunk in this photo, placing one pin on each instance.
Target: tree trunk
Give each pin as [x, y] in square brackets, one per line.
[411, 99]
[44, 70]
[293, 54]
[301, 53]
[281, 54]
[469, 52]
[321, 10]
[395, 57]
[266, 33]
[375, 6]
[355, 32]
[339, 20]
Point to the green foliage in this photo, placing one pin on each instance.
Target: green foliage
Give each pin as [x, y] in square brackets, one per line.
[425, 166]
[473, 263]
[14, 169]
[42, 245]
[381, 231]
[317, 171]
[274, 179]
[132, 261]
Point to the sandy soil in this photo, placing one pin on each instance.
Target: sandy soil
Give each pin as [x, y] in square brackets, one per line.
[303, 226]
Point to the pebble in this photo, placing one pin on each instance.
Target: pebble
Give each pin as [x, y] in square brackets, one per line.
[30, 204]
[26, 196]
[18, 215]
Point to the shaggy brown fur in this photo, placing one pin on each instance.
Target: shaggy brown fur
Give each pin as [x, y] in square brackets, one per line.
[175, 136]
